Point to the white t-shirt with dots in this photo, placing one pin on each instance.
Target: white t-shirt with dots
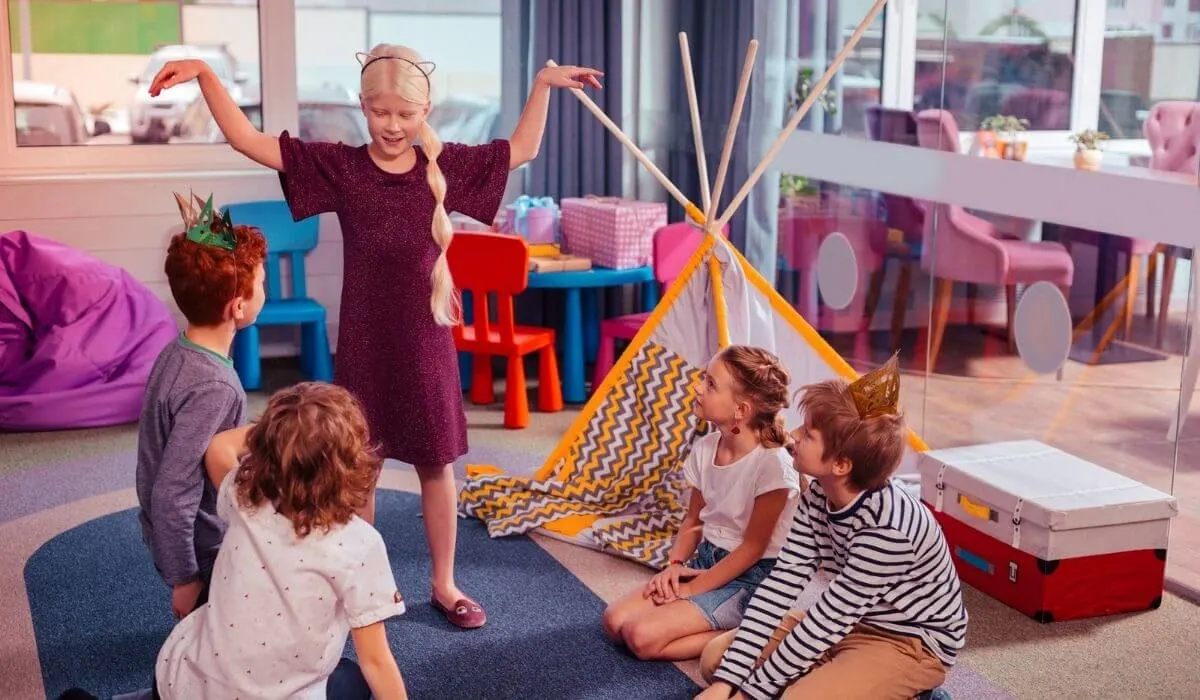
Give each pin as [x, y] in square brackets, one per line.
[280, 608]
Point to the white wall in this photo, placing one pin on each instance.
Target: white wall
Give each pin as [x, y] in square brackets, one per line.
[128, 222]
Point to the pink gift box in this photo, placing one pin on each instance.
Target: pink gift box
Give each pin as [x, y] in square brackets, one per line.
[613, 232]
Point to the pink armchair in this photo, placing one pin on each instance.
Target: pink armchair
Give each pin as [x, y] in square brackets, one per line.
[1173, 130]
[961, 247]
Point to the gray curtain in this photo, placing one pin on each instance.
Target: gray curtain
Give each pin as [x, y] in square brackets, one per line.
[718, 32]
[578, 156]
[776, 25]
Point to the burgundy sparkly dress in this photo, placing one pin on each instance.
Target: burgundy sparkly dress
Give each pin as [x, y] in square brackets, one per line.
[391, 354]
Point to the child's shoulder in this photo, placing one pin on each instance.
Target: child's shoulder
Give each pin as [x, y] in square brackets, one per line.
[356, 540]
[181, 373]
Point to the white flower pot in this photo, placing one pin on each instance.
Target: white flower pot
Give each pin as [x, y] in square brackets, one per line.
[1088, 159]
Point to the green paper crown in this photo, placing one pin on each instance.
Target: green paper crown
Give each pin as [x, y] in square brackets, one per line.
[205, 227]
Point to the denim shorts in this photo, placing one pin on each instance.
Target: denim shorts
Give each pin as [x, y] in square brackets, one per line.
[725, 606]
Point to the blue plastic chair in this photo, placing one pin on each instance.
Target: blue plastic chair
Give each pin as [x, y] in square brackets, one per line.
[294, 240]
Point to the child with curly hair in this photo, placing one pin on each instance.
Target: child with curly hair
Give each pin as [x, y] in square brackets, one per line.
[743, 490]
[299, 571]
[215, 271]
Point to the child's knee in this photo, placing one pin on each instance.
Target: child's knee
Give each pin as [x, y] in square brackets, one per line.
[643, 640]
[710, 658]
[612, 620]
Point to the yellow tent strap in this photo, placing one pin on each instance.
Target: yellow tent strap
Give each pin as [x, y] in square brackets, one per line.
[718, 291]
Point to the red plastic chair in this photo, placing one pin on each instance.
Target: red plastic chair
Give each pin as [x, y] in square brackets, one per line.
[485, 264]
[674, 245]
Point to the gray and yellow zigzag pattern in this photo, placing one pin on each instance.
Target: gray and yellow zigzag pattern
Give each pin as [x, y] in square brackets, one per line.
[624, 468]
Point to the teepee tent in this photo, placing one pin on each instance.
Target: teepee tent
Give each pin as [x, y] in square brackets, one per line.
[615, 480]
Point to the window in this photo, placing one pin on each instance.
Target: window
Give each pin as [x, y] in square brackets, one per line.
[857, 85]
[1141, 68]
[57, 60]
[1006, 58]
[74, 85]
[462, 39]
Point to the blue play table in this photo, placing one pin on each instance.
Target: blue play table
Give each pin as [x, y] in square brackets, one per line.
[581, 317]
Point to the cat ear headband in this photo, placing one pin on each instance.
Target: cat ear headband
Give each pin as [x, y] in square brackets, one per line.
[366, 59]
[203, 225]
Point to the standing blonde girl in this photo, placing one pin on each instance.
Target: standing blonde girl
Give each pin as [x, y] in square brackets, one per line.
[393, 198]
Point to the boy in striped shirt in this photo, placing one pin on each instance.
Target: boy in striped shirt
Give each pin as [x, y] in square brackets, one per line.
[891, 622]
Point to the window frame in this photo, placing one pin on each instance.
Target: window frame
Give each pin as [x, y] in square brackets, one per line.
[277, 59]
[900, 46]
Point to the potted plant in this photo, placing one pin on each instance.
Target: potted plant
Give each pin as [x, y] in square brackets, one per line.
[799, 193]
[1087, 152]
[1007, 127]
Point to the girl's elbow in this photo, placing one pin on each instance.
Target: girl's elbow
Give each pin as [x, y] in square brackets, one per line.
[522, 154]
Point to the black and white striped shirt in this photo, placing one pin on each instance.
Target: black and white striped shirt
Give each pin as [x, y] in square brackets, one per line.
[892, 570]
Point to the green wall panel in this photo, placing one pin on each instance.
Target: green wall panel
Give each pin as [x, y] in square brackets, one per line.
[62, 26]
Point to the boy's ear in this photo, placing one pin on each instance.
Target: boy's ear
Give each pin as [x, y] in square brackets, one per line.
[235, 310]
[842, 467]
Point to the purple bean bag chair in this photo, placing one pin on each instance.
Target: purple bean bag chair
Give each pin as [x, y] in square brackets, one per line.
[77, 337]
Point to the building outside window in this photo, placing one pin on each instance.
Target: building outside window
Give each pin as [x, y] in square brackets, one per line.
[985, 58]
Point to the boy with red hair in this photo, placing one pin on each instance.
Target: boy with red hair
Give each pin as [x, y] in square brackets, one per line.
[216, 275]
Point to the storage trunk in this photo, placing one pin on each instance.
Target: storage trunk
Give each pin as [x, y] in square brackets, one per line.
[1048, 533]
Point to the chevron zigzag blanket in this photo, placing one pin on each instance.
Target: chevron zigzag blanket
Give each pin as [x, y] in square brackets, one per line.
[619, 485]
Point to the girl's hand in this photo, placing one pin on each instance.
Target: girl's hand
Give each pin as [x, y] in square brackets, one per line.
[570, 77]
[176, 73]
[665, 585]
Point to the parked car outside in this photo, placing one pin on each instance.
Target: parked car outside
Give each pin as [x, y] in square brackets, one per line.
[332, 113]
[327, 113]
[49, 115]
[466, 119]
[155, 119]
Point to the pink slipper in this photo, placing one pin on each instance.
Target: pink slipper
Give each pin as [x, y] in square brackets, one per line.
[466, 613]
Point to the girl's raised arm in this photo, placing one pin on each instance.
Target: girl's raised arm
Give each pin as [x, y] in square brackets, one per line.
[231, 120]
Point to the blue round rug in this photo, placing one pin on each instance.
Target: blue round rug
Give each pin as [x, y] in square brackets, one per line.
[100, 613]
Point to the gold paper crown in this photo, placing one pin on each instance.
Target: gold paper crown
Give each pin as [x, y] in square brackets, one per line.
[877, 393]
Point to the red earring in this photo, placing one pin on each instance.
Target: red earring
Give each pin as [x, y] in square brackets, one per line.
[736, 430]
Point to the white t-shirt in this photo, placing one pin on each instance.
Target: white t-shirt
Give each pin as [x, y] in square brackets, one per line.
[729, 491]
[280, 608]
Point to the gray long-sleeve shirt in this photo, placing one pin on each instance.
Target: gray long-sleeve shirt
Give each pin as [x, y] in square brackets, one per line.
[192, 395]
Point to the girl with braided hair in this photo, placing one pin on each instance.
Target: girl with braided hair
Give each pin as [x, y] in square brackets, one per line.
[393, 198]
[743, 493]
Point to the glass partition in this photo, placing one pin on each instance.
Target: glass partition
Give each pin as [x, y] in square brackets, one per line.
[1013, 325]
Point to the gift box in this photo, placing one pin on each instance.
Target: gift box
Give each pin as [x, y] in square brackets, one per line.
[1047, 533]
[536, 219]
[610, 231]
